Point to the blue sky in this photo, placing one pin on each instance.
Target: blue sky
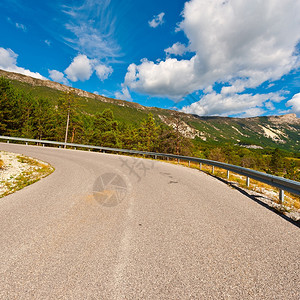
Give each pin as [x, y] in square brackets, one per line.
[207, 57]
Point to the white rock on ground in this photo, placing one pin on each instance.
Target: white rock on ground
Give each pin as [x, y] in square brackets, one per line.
[14, 167]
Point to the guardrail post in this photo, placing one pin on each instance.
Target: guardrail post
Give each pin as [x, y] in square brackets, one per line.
[200, 166]
[213, 169]
[248, 181]
[7, 141]
[43, 145]
[178, 161]
[189, 163]
[228, 174]
[281, 196]
[26, 144]
[155, 156]
[168, 158]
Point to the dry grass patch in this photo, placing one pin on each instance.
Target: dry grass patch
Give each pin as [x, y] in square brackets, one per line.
[19, 171]
[291, 201]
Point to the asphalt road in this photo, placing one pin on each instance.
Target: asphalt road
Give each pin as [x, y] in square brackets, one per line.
[105, 226]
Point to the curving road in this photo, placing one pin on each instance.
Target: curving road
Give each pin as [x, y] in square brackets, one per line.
[106, 226]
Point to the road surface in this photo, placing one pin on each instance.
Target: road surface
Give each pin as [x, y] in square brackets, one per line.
[106, 226]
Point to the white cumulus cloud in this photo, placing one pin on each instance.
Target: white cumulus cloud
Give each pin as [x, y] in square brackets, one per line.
[81, 68]
[124, 94]
[166, 78]
[239, 43]
[8, 62]
[243, 105]
[157, 20]
[8, 58]
[295, 104]
[58, 76]
[177, 49]
[103, 71]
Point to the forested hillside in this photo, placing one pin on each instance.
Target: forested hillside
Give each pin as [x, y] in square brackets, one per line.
[281, 132]
[27, 113]
[24, 115]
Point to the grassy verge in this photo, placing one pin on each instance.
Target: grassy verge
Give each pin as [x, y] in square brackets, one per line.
[35, 170]
[291, 202]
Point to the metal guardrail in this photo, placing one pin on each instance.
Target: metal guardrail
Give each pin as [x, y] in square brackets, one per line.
[281, 183]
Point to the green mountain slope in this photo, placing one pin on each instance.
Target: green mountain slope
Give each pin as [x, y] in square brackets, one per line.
[272, 131]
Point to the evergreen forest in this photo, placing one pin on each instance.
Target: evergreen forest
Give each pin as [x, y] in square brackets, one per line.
[38, 117]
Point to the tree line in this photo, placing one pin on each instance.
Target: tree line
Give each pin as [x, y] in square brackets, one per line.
[273, 161]
[23, 115]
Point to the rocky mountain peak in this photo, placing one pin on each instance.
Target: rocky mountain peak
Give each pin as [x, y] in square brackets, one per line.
[288, 118]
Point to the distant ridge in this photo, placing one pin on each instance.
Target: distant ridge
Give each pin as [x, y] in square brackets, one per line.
[55, 85]
[267, 131]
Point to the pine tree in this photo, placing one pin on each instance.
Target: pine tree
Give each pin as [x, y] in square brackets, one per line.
[9, 108]
[44, 119]
[276, 163]
[129, 137]
[27, 118]
[149, 133]
[66, 115]
[106, 129]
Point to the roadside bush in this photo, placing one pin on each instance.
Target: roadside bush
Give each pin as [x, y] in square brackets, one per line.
[217, 154]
